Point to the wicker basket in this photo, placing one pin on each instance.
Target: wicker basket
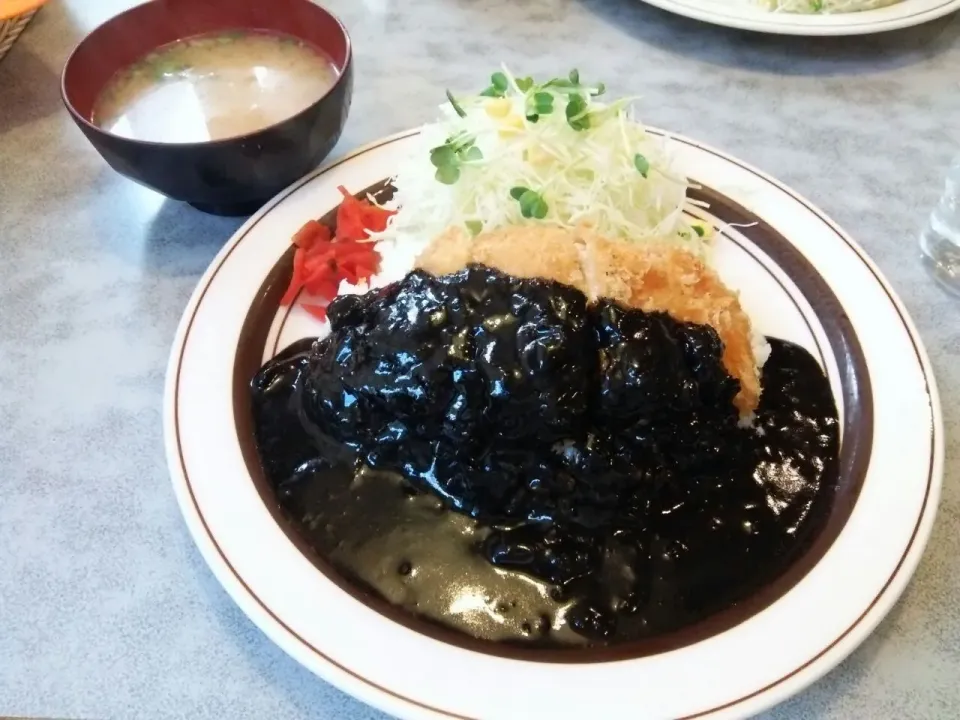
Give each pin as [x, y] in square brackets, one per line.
[11, 28]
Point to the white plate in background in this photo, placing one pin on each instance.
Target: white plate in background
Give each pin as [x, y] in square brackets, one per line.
[745, 15]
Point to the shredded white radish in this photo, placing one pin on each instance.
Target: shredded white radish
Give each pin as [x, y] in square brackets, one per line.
[612, 176]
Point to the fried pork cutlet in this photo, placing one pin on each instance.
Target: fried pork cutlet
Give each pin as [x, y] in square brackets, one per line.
[646, 277]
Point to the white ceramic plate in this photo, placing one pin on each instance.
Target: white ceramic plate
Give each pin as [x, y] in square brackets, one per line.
[745, 15]
[800, 277]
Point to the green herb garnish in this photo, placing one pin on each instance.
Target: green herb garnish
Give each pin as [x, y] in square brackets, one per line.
[577, 115]
[456, 106]
[541, 99]
[572, 83]
[449, 158]
[447, 174]
[524, 83]
[698, 230]
[542, 105]
[443, 155]
[498, 85]
[642, 164]
[471, 154]
[474, 226]
[532, 204]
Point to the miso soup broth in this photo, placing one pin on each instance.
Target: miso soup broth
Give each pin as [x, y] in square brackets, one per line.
[214, 86]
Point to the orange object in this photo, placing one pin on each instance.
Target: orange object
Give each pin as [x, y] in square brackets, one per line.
[310, 233]
[13, 8]
[355, 217]
[321, 262]
[15, 15]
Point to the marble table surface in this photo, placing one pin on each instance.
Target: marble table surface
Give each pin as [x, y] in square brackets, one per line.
[107, 609]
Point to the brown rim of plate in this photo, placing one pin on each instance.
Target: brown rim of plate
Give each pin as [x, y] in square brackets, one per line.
[850, 500]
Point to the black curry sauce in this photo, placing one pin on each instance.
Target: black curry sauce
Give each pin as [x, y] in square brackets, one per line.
[497, 456]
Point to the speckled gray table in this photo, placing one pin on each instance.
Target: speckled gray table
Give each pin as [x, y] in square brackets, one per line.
[106, 608]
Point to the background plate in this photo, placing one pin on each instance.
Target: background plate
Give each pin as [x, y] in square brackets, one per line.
[746, 16]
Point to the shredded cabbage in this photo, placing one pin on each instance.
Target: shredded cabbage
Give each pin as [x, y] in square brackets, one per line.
[824, 7]
[610, 175]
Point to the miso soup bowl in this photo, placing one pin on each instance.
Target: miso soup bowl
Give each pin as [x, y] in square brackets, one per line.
[236, 175]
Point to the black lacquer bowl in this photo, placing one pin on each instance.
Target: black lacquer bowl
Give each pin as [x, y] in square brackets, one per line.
[237, 175]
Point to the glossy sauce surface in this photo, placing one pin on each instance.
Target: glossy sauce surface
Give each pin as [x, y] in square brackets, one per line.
[497, 457]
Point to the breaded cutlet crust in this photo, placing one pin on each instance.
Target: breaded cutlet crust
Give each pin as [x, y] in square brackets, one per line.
[649, 277]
